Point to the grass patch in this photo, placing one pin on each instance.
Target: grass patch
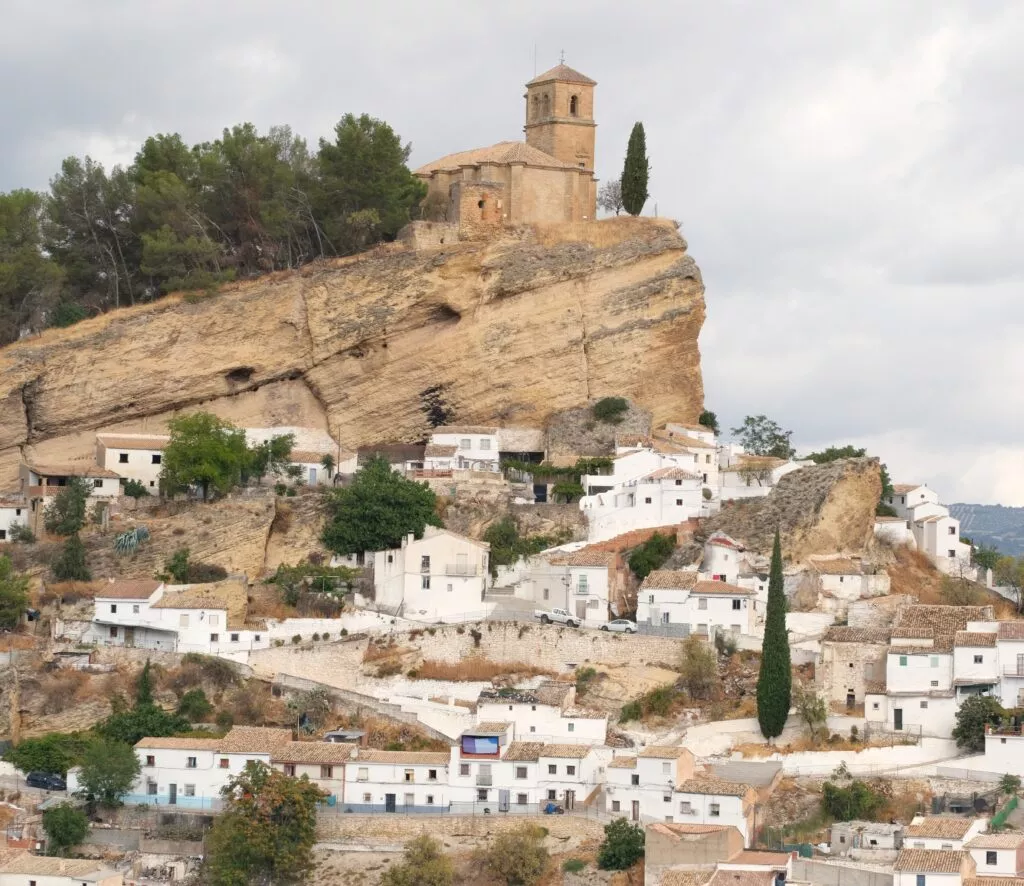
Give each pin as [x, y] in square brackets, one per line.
[659, 702]
[573, 865]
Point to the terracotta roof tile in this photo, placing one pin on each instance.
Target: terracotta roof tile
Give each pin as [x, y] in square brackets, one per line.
[663, 752]
[676, 877]
[721, 587]
[671, 473]
[929, 861]
[524, 751]
[490, 726]
[947, 827]
[974, 638]
[439, 450]
[46, 866]
[501, 154]
[670, 580]
[729, 877]
[79, 470]
[426, 758]
[904, 488]
[253, 740]
[563, 73]
[588, 556]
[674, 829]
[313, 752]
[1011, 630]
[995, 841]
[845, 634]
[307, 456]
[132, 589]
[622, 763]
[179, 744]
[566, 751]
[713, 787]
[835, 566]
[155, 442]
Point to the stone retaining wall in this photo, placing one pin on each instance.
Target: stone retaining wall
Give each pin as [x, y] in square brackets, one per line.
[340, 826]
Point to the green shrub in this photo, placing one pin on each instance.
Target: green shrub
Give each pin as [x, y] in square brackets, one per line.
[280, 489]
[568, 492]
[651, 555]
[316, 637]
[297, 639]
[68, 314]
[610, 409]
[19, 532]
[573, 865]
[584, 677]
[857, 800]
[631, 711]
[325, 636]
[195, 705]
[622, 847]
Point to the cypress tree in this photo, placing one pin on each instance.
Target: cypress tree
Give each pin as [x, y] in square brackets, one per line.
[775, 679]
[635, 172]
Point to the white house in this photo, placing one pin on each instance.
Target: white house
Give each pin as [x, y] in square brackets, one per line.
[945, 832]
[545, 714]
[396, 781]
[705, 800]
[845, 579]
[997, 855]
[935, 532]
[13, 512]
[1010, 653]
[640, 786]
[133, 457]
[38, 870]
[441, 576]
[309, 447]
[44, 481]
[932, 867]
[463, 447]
[894, 530]
[919, 690]
[695, 606]
[665, 497]
[584, 582]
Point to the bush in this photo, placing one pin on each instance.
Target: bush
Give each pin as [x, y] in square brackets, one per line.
[218, 671]
[325, 636]
[65, 827]
[70, 565]
[134, 489]
[622, 847]
[518, 857]
[195, 705]
[19, 532]
[343, 632]
[610, 409]
[584, 677]
[573, 865]
[54, 752]
[279, 642]
[280, 489]
[316, 637]
[651, 555]
[297, 639]
[725, 644]
[857, 800]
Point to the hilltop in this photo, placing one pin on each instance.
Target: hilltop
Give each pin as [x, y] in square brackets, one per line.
[507, 330]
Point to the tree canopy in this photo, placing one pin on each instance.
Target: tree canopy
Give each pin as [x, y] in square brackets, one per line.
[622, 847]
[65, 827]
[186, 216]
[775, 678]
[609, 197]
[377, 510]
[635, 172]
[13, 594]
[65, 515]
[976, 712]
[108, 771]
[423, 864]
[70, 564]
[203, 451]
[266, 831]
[759, 435]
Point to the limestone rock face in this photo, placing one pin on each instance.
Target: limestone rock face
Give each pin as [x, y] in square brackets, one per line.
[508, 330]
[819, 509]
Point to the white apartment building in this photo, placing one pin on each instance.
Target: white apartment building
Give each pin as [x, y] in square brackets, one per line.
[932, 867]
[43, 481]
[25, 869]
[396, 781]
[13, 512]
[463, 447]
[749, 476]
[942, 832]
[696, 606]
[148, 614]
[546, 714]
[133, 457]
[583, 582]
[640, 787]
[844, 580]
[997, 855]
[439, 577]
[935, 532]
[919, 694]
[713, 801]
[1010, 654]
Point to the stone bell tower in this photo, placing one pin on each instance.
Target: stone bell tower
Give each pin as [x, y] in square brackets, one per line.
[560, 116]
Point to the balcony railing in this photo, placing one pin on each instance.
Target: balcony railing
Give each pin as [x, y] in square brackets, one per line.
[582, 589]
[484, 779]
[1013, 672]
[461, 569]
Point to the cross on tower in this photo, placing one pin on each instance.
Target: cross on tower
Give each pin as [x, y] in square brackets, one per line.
[561, 57]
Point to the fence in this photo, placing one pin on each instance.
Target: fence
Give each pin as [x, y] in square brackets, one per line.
[999, 819]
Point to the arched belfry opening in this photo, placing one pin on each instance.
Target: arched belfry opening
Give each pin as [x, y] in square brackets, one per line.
[574, 106]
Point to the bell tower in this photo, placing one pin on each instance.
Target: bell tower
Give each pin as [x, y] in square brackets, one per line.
[560, 116]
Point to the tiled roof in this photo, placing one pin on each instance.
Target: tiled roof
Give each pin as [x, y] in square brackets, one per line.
[469, 429]
[253, 740]
[313, 752]
[974, 638]
[754, 856]
[713, 787]
[133, 589]
[674, 829]
[524, 751]
[995, 841]
[845, 634]
[904, 488]
[229, 595]
[46, 866]
[502, 153]
[939, 622]
[874, 687]
[670, 579]
[622, 763]
[588, 556]
[79, 470]
[566, 751]
[630, 440]
[728, 877]
[563, 73]
[117, 441]
[678, 442]
[490, 726]
[663, 752]
[721, 587]
[677, 877]
[426, 758]
[929, 861]
[672, 474]
[835, 566]
[553, 692]
[994, 881]
[438, 450]
[307, 456]
[946, 827]
[754, 463]
[721, 540]
[1011, 630]
[179, 744]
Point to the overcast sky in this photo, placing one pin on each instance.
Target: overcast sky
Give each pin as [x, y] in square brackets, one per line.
[848, 174]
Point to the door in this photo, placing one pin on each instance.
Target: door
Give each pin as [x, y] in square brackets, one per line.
[503, 800]
[312, 476]
[570, 800]
[462, 564]
[540, 493]
[897, 719]
[654, 618]
[410, 801]
[1020, 663]
[129, 636]
[174, 794]
[636, 810]
[581, 610]
[851, 700]
[389, 803]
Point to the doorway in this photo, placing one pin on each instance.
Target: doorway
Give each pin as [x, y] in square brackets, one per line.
[897, 719]
[389, 803]
[851, 700]
[636, 810]
[570, 800]
[129, 636]
[173, 800]
[312, 476]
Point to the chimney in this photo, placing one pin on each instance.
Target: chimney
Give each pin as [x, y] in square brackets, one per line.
[410, 538]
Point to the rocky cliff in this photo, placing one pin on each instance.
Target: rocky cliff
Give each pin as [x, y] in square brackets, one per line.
[508, 330]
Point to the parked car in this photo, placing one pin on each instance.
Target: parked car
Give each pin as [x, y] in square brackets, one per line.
[48, 781]
[622, 625]
[556, 616]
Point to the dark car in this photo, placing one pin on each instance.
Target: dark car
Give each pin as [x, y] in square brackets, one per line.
[48, 781]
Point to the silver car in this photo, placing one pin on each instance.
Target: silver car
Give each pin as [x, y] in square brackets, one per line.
[622, 625]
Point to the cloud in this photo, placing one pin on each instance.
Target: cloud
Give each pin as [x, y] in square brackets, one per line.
[848, 176]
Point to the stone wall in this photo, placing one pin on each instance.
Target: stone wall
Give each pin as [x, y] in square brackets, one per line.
[429, 234]
[829, 874]
[341, 826]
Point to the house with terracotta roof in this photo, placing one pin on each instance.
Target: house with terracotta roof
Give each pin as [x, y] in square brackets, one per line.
[683, 602]
[997, 855]
[441, 576]
[136, 457]
[704, 800]
[845, 579]
[396, 781]
[944, 832]
[549, 178]
[464, 448]
[24, 869]
[636, 785]
[934, 531]
[40, 482]
[687, 846]
[852, 661]
[932, 867]
[547, 713]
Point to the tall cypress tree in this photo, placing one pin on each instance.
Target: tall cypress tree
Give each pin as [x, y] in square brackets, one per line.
[775, 679]
[635, 172]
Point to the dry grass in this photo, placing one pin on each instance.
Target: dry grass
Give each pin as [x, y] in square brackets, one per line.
[804, 743]
[474, 669]
[61, 690]
[914, 574]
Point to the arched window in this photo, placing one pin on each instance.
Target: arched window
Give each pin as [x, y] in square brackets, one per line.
[547, 105]
[535, 110]
[574, 106]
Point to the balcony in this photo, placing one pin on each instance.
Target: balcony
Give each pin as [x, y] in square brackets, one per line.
[467, 569]
[484, 779]
[582, 590]
[1014, 672]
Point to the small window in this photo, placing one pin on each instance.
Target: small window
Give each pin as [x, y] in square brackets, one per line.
[430, 800]
[736, 604]
[991, 858]
[156, 458]
[874, 705]
[362, 774]
[952, 554]
[616, 806]
[183, 620]
[391, 558]
[367, 798]
[634, 780]
[679, 502]
[707, 459]
[190, 790]
[463, 769]
[425, 582]
[666, 798]
[113, 607]
[214, 619]
[485, 443]
[431, 775]
[98, 484]
[935, 661]
[572, 727]
[481, 795]
[533, 707]
[214, 638]
[650, 598]
[234, 638]
[545, 593]
[552, 795]
[122, 458]
[903, 661]
[465, 443]
[570, 770]
[151, 788]
[135, 609]
[425, 563]
[224, 763]
[289, 769]
[113, 632]
[685, 807]
[533, 729]
[665, 618]
[702, 603]
[935, 683]
[842, 839]
[449, 587]
[410, 775]
[574, 106]
[190, 762]
[924, 705]
[150, 760]
[678, 483]
[327, 772]
[520, 772]
[714, 810]
[666, 768]
[952, 530]
[978, 659]
[522, 799]
[552, 769]
[647, 501]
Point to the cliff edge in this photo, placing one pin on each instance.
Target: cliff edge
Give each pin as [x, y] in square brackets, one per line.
[506, 330]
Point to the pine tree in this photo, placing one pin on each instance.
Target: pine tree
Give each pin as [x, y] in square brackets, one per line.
[635, 172]
[775, 679]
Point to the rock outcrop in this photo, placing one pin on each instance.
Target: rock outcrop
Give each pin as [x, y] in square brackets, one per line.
[508, 330]
[820, 509]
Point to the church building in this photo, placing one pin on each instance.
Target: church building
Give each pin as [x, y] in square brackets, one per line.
[547, 178]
